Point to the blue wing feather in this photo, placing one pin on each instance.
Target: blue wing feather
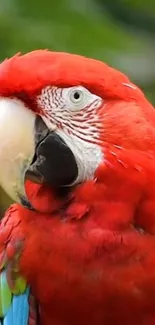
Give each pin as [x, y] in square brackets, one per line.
[14, 307]
[18, 312]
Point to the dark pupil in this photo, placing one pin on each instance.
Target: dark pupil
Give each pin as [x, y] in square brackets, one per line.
[76, 95]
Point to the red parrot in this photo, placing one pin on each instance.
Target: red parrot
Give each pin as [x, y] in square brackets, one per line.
[77, 154]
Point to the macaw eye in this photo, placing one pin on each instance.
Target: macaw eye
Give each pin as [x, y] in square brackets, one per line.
[76, 96]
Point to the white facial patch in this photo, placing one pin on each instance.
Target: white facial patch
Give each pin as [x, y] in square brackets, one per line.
[72, 114]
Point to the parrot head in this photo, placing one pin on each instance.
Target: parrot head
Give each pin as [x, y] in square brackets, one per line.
[60, 114]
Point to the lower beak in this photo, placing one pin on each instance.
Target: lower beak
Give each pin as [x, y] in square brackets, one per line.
[28, 150]
[54, 162]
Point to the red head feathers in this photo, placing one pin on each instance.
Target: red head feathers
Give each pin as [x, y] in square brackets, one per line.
[31, 72]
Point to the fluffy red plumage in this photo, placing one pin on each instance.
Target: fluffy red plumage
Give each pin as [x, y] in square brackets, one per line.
[30, 72]
[89, 258]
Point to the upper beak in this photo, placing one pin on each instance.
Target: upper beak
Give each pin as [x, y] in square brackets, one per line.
[29, 150]
[19, 132]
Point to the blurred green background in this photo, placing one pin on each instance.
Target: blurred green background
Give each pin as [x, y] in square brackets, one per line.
[119, 32]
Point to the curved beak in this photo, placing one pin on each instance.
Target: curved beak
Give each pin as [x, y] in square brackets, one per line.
[19, 132]
[30, 150]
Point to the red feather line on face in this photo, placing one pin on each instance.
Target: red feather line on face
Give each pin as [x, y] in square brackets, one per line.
[82, 123]
[28, 74]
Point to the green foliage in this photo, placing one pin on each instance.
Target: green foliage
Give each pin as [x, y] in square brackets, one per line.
[120, 33]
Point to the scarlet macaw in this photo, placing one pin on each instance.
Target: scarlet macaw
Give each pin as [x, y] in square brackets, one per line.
[77, 154]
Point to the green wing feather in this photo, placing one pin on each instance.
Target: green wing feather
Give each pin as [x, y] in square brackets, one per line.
[11, 282]
[5, 295]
